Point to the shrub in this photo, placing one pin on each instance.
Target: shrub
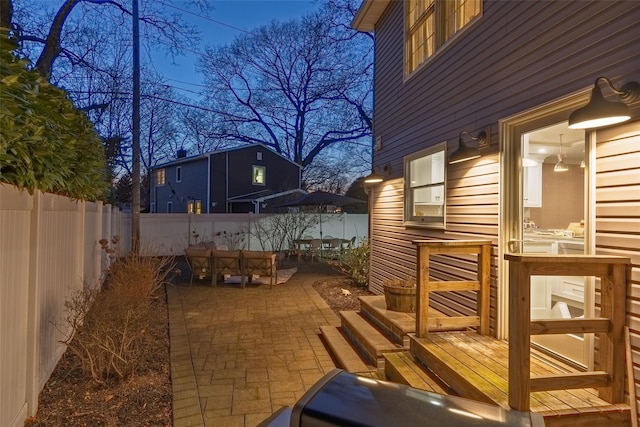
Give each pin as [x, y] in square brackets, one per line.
[354, 263]
[108, 327]
[45, 142]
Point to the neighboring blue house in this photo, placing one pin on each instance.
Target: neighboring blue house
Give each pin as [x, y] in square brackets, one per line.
[233, 180]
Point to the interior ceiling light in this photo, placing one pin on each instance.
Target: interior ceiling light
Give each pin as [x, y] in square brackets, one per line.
[600, 112]
[464, 152]
[560, 166]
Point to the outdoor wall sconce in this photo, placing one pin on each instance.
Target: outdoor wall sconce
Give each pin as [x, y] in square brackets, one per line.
[464, 152]
[374, 178]
[600, 112]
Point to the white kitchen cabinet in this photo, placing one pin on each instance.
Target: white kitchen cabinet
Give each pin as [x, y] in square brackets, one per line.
[532, 186]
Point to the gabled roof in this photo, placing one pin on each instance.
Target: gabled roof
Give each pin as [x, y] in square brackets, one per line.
[368, 15]
[214, 152]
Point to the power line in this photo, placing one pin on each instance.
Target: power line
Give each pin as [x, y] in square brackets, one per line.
[206, 18]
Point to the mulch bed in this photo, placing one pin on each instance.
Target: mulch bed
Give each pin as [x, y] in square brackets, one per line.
[71, 399]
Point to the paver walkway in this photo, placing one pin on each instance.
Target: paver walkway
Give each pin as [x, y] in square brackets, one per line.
[238, 355]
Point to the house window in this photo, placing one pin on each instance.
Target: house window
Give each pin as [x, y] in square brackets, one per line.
[259, 155]
[169, 207]
[258, 175]
[178, 173]
[198, 207]
[161, 177]
[424, 187]
[430, 23]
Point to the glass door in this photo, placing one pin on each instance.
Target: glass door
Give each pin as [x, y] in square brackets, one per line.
[553, 219]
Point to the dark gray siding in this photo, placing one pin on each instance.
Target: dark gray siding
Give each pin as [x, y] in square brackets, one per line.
[237, 165]
[518, 55]
[193, 186]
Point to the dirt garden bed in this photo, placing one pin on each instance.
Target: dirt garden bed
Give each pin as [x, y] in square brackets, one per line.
[70, 399]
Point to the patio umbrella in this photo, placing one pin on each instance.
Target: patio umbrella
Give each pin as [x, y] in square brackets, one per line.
[321, 199]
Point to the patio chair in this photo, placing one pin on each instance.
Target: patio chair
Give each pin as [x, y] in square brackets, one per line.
[260, 263]
[315, 248]
[335, 248]
[199, 261]
[225, 262]
[295, 250]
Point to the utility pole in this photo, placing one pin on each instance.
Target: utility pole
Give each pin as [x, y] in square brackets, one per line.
[135, 173]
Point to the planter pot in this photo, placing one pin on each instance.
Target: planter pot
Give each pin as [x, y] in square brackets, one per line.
[400, 299]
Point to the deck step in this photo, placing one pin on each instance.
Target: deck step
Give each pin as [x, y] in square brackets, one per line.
[476, 367]
[370, 342]
[394, 324]
[343, 353]
[402, 368]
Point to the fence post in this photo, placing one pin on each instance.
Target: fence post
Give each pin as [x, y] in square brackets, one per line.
[32, 389]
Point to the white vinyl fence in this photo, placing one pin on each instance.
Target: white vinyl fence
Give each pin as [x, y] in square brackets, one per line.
[170, 234]
[49, 249]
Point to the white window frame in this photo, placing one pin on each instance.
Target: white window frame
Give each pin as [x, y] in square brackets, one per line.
[438, 22]
[255, 175]
[178, 173]
[433, 187]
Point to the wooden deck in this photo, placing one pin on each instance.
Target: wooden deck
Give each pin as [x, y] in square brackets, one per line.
[477, 367]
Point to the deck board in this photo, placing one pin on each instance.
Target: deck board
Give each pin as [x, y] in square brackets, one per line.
[476, 366]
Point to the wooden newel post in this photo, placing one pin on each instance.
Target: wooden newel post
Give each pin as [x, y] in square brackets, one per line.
[519, 336]
[422, 292]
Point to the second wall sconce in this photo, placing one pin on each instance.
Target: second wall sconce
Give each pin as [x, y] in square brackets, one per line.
[464, 152]
[600, 112]
[374, 178]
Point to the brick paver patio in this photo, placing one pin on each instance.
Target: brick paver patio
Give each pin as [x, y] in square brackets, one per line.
[238, 355]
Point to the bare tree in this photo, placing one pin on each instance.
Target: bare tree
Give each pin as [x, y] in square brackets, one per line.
[84, 46]
[198, 131]
[76, 20]
[302, 88]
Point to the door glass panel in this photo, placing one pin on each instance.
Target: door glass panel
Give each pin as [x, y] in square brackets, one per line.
[553, 222]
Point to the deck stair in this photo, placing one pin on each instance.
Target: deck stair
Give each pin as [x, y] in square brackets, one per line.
[369, 341]
[394, 324]
[345, 356]
[402, 368]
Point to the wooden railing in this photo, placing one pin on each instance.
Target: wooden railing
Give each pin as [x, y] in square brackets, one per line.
[426, 248]
[609, 379]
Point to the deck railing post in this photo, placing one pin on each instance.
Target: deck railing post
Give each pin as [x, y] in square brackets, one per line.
[612, 306]
[609, 378]
[422, 292]
[426, 248]
[519, 336]
[484, 295]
